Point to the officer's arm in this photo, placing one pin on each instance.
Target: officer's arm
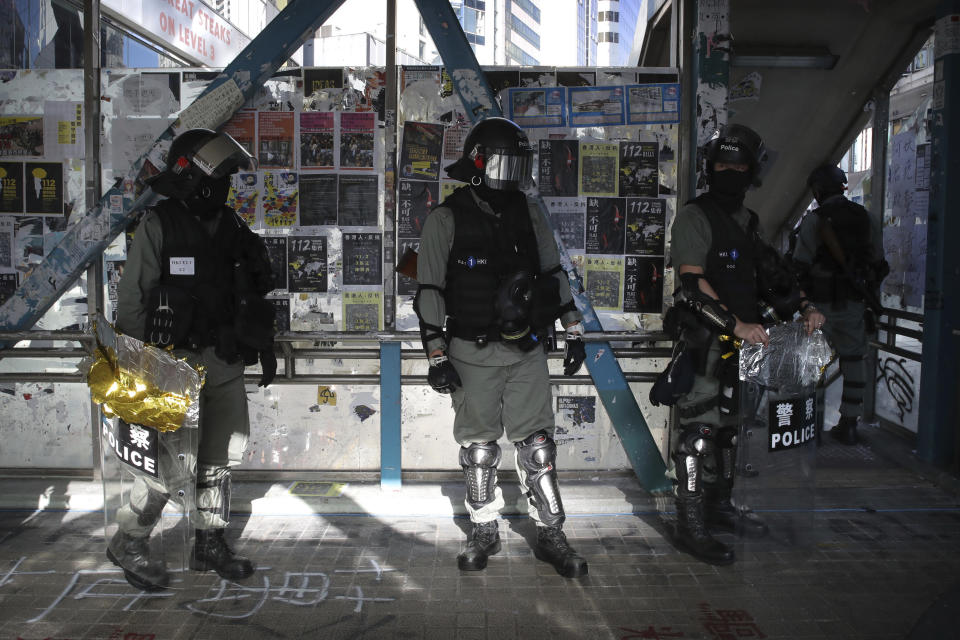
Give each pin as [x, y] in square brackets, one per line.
[806, 248]
[704, 301]
[141, 274]
[436, 240]
[550, 263]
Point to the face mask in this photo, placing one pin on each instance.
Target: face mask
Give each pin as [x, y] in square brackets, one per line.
[731, 183]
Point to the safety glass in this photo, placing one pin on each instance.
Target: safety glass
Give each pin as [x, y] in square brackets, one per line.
[514, 169]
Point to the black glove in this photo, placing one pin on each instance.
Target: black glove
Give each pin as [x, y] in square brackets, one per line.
[574, 353]
[268, 362]
[442, 376]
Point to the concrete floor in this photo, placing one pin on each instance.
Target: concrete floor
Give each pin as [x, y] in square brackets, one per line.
[879, 560]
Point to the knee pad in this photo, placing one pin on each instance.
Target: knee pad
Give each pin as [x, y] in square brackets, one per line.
[479, 462]
[536, 458]
[695, 443]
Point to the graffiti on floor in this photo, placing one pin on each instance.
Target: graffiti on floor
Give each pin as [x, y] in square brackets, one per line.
[899, 382]
[296, 588]
[721, 624]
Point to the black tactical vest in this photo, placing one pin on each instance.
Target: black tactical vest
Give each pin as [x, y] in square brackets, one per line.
[851, 222]
[731, 260]
[486, 249]
[200, 267]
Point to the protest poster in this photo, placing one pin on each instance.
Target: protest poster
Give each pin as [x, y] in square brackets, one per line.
[606, 225]
[307, 264]
[244, 196]
[362, 311]
[602, 281]
[362, 263]
[657, 103]
[316, 139]
[275, 136]
[598, 168]
[558, 167]
[358, 201]
[280, 198]
[595, 106]
[567, 216]
[357, 140]
[420, 151]
[242, 127]
[643, 284]
[415, 201]
[639, 169]
[646, 221]
[43, 188]
[318, 199]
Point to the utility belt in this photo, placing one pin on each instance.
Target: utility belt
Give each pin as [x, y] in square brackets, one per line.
[527, 342]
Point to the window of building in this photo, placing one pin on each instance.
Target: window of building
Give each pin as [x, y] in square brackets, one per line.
[530, 8]
[607, 36]
[476, 4]
[608, 16]
[520, 56]
[525, 31]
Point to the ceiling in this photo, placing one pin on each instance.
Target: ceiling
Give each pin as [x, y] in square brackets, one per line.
[808, 116]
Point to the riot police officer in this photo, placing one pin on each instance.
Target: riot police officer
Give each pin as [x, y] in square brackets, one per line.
[840, 262]
[726, 276]
[194, 280]
[490, 285]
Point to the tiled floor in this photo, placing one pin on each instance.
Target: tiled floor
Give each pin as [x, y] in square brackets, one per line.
[885, 544]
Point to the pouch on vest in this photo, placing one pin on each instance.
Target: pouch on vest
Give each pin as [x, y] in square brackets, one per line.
[169, 316]
[675, 380]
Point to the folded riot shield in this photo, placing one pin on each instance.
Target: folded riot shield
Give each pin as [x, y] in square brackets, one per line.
[148, 447]
[776, 446]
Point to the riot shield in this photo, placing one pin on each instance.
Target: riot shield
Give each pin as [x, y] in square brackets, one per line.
[148, 447]
[776, 445]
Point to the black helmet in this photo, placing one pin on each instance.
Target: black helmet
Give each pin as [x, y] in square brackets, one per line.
[496, 153]
[197, 154]
[736, 144]
[827, 179]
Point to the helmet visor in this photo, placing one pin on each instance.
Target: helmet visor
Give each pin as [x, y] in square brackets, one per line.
[508, 172]
[222, 156]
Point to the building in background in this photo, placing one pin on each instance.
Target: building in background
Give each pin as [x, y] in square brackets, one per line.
[617, 22]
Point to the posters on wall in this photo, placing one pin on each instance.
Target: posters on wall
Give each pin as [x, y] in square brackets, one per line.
[598, 168]
[277, 250]
[407, 286]
[275, 146]
[454, 136]
[6, 245]
[567, 216]
[606, 225]
[21, 136]
[595, 106]
[63, 129]
[558, 166]
[316, 140]
[280, 198]
[420, 151]
[369, 86]
[358, 197]
[362, 264]
[43, 188]
[653, 103]
[281, 308]
[130, 138]
[307, 264]
[318, 199]
[537, 107]
[244, 195]
[357, 140]
[643, 284]
[321, 79]
[8, 285]
[362, 310]
[11, 187]
[646, 221]
[243, 128]
[603, 281]
[149, 93]
[639, 169]
[415, 201]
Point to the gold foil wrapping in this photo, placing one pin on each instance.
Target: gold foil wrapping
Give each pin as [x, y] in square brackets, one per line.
[141, 384]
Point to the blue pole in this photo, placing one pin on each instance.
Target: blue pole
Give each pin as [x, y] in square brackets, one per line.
[390, 453]
[939, 420]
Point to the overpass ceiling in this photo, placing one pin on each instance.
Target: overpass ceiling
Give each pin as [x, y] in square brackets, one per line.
[807, 116]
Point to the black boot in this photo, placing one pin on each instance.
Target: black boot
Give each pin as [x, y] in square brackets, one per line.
[552, 547]
[845, 431]
[211, 551]
[132, 554]
[719, 513]
[692, 536]
[483, 542]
